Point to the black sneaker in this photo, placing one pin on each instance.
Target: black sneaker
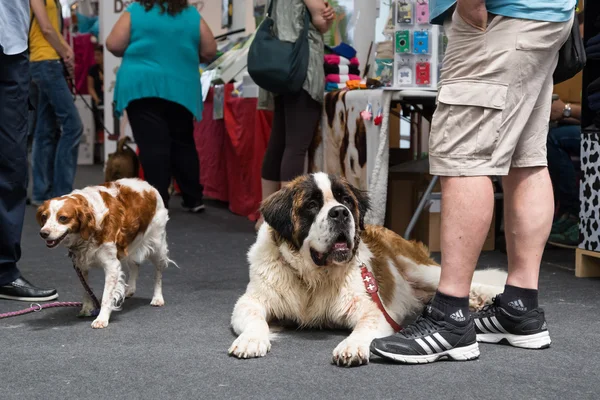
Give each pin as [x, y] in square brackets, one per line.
[196, 207]
[495, 324]
[22, 290]
[430, 338]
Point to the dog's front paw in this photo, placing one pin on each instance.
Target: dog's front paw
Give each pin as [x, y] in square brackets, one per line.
[157, 302]
[351, 353]
[99, 323]
[249, 346]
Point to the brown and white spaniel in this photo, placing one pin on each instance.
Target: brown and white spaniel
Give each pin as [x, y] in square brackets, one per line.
[114, 226]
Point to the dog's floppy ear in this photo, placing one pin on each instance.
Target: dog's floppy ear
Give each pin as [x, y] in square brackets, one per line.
[364, 204]
[38, 215]
[87, 221]
[277, 212]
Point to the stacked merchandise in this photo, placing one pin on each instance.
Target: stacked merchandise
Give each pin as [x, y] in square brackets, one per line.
[418, 45]
[341, 68]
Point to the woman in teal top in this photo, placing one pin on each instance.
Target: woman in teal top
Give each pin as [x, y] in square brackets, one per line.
[158, 83]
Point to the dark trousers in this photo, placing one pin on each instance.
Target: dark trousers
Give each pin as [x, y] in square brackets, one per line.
[563, 142]
[164, 133]
[295, 121]
[14, 108]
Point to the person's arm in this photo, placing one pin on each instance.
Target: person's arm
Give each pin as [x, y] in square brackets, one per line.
[38, 8]
[322, 14]
[118, 39]
[92, 89]
[557, 112]
[208, 44]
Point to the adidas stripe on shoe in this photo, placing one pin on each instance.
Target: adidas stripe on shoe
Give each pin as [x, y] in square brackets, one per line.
[494, 324]
[430, 338]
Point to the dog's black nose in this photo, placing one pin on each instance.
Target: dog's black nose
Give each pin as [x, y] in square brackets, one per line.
[339, 213]
[44, 235]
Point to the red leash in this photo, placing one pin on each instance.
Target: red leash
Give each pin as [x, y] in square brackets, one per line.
[39, 307]
[373, 289]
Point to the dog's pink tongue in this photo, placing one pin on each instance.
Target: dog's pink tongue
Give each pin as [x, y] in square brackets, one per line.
[340, 246]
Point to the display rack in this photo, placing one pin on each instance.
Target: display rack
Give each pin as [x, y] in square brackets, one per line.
[587, 263]
[418, 46]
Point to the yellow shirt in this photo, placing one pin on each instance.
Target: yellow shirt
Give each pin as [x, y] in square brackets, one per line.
[39, 48]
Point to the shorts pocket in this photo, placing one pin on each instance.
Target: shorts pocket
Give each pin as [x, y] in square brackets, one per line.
[467, 121]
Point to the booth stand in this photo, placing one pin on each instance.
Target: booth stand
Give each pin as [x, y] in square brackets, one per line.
[587, 261]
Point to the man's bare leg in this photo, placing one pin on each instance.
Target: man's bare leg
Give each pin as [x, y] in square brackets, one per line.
[467, 209]
[528, 212]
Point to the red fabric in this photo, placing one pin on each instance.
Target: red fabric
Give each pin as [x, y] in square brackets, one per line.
[210, 144]
[84, 59]
[231, 152]
[372, 288]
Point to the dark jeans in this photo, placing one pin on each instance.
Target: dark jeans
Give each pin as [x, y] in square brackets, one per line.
[54, 161]
[295, 120]
[164, 133]
[14, 108]
[563, 142]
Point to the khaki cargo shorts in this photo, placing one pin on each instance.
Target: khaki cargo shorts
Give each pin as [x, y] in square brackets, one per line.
[495, 95]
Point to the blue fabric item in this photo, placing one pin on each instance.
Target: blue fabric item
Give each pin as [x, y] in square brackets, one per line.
[539, 10]
[593, 40]
[330, 87]
[14, 91]
[563, 142]
[54, 162]
[594, 101]
[344, 50]
[594, 86]
[85, 23]
[162, 59]
[593, 51]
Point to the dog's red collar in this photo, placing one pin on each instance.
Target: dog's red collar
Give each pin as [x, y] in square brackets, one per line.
[373, 289]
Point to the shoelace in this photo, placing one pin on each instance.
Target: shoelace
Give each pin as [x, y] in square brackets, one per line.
[489, 309]
[422, 326]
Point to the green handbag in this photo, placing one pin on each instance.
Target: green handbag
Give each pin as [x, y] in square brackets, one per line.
[275, 65]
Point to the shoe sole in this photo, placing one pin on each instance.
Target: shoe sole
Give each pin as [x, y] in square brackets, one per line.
[466, 353]
[47, 298]
[196, 209]
[536, 341]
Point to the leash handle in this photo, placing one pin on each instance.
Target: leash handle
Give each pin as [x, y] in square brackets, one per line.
[35, 307]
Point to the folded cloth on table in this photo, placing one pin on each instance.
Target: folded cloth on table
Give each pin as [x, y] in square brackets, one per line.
[330, 86]
[354, 84]
[341, 78]
[344, 50]
[341, 69]
[594, 101]
[594, 87]
[337, 60]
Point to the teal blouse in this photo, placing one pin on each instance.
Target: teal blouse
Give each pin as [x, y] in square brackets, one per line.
[162, 59]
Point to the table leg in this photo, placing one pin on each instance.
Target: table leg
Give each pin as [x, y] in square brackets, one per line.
[420, 207]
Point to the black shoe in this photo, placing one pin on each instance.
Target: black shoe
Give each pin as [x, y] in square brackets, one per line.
[22, 290]
[494, 324]
[429, 339]
[196, 207]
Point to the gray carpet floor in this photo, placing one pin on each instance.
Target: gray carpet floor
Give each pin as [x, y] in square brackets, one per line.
[180, 351]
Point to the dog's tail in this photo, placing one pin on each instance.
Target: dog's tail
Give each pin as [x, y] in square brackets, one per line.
[122, 143]
[486, 284]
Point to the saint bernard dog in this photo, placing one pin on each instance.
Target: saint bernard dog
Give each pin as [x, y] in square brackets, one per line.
[115, 226]
[316, 264]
